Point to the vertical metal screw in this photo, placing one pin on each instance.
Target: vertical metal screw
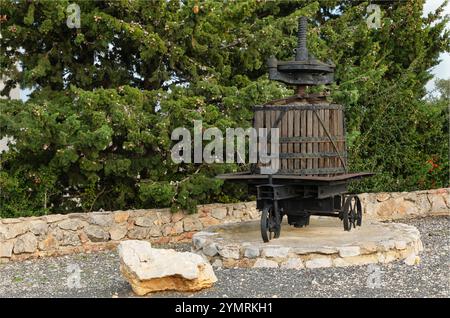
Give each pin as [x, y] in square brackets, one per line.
[302, 50]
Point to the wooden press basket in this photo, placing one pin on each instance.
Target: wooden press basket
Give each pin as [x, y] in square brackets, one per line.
[312, 136]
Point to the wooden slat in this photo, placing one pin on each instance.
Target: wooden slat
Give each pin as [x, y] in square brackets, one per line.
[284, 148]
[316, 125]
[297, 133]
[303, 107]
[303, 133]
[290, 120]
[298, 139]
[327, 145]
[298, 123]
[320, 112]
[267, 124]
[332, 133]
[309, 130]
[258, 120]
[338, 131]
[335, 126]
[310, 155]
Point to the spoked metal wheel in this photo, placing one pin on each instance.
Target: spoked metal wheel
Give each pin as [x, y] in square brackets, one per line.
[270, 227]
[351, 212]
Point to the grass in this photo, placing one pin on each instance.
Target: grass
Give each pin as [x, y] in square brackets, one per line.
[17, 279]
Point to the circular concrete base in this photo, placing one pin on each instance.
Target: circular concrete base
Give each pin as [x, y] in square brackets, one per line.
[323, 243]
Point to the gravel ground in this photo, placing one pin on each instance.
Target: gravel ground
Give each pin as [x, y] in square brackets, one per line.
[100, 276]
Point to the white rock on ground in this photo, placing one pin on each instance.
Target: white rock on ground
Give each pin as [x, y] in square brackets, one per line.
[149, 269]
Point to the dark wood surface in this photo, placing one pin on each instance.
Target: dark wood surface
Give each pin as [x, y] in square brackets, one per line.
[305, 131]
[243, 176]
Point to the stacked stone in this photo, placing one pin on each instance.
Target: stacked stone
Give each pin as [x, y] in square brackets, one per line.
[49, 235]
[402, 205]
[22, 238]
[404, 244]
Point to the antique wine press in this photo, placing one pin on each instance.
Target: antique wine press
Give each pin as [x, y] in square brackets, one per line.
[312, 177]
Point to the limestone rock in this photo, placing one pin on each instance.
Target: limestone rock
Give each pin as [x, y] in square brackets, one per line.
[26, 243]
[96, 233]
[327, 250]
[438, 204]
[219, 213]
[177, 216]
[198, 241]
[217, 263]
[148, 269]
[192, 224]
[400, 244]
[146, 221]
[154, 231]
[251, 252]
[210, 250]
[3, 231]
[10, 221]
[70, 238]
[14, 230]
[138, 233]
[368, 247]
[265, 263]
[209, 221]
[229, 251]
[422, 203]
[275, 251]
[121, 216]
[118, 232]
[412, 259]
[382, 196]
[238, 214]
[292, 263]
[347, 251]
[395, 209]
[356, 260]
[52, 218]
[6, 249]
[174, 229]
[101, 219]
[164, 216]
[253, 213]
[319, 262]
[48, 243]
[70, 224]
[38, 227]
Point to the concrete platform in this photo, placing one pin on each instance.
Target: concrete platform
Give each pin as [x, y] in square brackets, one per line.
[323, 243]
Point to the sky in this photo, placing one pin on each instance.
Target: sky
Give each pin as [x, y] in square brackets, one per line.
[440, 71]
[443, 69]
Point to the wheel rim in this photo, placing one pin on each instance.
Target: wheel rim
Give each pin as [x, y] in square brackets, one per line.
[346, 214]
[269, 227]
[265, 233]
[352, 212]
[358, 212]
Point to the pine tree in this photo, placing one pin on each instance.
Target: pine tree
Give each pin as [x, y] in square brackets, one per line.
[96, 130]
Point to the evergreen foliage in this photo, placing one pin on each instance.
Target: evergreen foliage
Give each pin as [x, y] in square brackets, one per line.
[96, 130]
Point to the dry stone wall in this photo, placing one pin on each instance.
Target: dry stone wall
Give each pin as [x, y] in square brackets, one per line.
[385, 206]
[49, 235]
